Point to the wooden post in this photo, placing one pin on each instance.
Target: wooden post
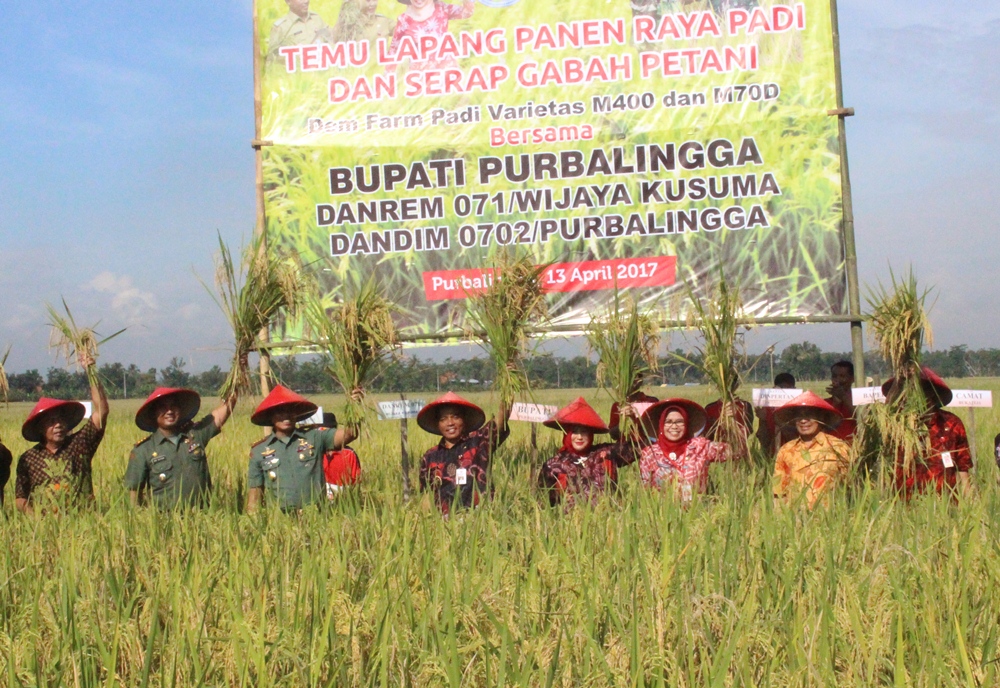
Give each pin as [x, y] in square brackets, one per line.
[534, 443]
[850, 247]
[972, 434]
[260, 228]
[404, 446]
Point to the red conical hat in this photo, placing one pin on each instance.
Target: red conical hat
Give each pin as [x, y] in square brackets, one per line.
[579, 414]
[927, 376]
[282, 397]
[697, 418]
[32, 428]
[187, 399]
[808, 405]
[428, 416]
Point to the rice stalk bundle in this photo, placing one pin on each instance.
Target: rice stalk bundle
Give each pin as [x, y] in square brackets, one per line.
[4, 382]
[500, 316]
[252, 294]
[722, 356]
[357, 336]
[626, 343]
[900, 328]
[73, 342]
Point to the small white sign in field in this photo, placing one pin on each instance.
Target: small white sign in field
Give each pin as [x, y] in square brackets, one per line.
[88, 407]
[861, 396]
[961, 398]
[971, 398]
[773, 397]
[641, 406]
[398, 410]
[532, 413]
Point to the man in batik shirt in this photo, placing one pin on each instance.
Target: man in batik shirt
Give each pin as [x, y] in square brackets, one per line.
[841, 379]
[947, 461]
[809, 467]
[456, 471]
[57, 470]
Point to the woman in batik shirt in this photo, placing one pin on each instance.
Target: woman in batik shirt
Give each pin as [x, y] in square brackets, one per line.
[582, 470]
[679, 458]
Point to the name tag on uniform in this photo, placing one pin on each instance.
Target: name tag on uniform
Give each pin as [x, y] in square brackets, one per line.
[947, 460]
[461, 476]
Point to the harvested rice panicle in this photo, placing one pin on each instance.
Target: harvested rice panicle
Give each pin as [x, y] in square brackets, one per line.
[266, 285]
[500, 318]
[356, 335]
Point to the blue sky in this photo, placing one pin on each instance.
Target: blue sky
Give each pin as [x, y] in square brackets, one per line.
[126, 132]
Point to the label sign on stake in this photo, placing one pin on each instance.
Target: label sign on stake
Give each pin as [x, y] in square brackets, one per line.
[860, 396]
[961, 398]
[398, 410]
[773, 397]
[971, 398]
[532, 413]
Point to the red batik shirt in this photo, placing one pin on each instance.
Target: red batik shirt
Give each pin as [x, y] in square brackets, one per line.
[569, 477]
[949, 444]
[689, 469]
[67, 469]
[463, 469]
[848, 426]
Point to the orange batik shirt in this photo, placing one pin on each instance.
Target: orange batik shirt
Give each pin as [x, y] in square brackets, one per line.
[813, 467]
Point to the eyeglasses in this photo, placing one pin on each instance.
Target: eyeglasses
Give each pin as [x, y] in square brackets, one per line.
[675, 423]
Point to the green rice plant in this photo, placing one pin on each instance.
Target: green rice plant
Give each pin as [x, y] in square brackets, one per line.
[78, 345]
[626, 343]
[4, 382]
[500, 316]
[357, 335]
[252, 294]
[723, 356]
[900, 327]
[634, 590]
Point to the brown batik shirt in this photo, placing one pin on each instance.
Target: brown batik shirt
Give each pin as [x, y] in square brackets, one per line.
[65, 474]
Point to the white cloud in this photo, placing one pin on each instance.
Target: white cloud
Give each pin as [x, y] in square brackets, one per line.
[189, 311]
[129, 302]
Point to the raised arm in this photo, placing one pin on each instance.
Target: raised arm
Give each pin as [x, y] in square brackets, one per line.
[99, 400]
[348, 433]
[221, 413]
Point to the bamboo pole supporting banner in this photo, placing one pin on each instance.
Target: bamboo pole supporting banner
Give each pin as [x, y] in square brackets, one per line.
[850, 247]
[261, 224]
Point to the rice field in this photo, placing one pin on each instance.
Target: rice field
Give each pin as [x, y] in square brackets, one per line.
[374, 592]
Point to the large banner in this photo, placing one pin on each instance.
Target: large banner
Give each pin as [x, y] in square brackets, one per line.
[652, 145]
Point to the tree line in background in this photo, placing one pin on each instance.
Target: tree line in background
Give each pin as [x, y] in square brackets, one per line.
[410, 374]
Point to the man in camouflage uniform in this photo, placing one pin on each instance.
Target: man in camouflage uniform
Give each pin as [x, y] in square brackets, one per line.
[287, 465]
[170, 465]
